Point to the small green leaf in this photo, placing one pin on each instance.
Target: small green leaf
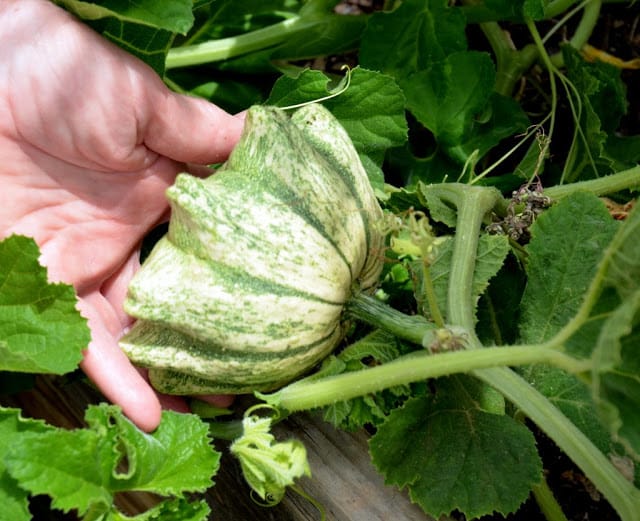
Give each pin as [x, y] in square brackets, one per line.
[190, 466]
[447, 105]
[601, 103]
[492, 251]
[616, 377]
[423, 33]
[13, 498]
[178, 509]
[567, 242]
[452, 455]
[371, 109]
[41, 331]
[82, 469]
[375, 348]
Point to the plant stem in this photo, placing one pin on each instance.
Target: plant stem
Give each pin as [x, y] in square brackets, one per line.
[472, 203]
[609, 184]
[511, 63]
[414, 367]
[413, 328]
[546, 60]
[622, 495]
[548, 503]
[589, 19]
[225, 48]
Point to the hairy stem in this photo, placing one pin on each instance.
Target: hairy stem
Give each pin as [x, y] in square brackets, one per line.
[225, 48]
[368, 309]
[472, 203]
[622, 495]
[414, 367]
[624, 180]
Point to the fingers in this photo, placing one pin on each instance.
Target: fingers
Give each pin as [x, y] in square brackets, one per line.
[112, 372]
[217, 400]
[190, 130]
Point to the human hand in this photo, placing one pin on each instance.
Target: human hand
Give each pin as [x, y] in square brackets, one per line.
[90, 138]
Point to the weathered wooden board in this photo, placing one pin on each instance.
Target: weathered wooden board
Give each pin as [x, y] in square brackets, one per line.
[343, 479]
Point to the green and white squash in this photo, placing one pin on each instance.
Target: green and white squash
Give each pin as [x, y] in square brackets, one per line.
[246, 290]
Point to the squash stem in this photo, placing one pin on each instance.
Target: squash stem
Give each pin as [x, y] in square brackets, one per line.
[413, 328]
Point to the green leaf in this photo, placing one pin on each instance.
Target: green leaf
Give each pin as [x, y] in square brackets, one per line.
[585, 268]
[492, 251]
[505, 118]
[41, 331]
[172, 15]
[617, 365]
[452, 455]
[375, 348]
[371, 109]
[13, 498]
[534, 9]
[326, 33]
[190, 466]
[567, 242]
[439, 210]
[144, 28]
[67, 465]
[616, 378]
[600, 102]
[574, 398]
[408, 170]
[82, 469]
[179, 509]
[446, 105]
[423, 33]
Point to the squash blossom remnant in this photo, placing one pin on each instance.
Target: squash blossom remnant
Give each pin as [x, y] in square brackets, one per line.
[526, 204]
[269, 467]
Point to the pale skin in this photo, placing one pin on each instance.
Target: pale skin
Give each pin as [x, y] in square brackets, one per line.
[90, 138]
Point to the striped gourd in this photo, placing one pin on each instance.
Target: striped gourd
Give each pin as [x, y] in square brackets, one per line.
[246, 290]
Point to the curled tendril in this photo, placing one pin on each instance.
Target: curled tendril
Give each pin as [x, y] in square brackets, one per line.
[251, 410]
[340, 90]
[269, 501]
[272, 500]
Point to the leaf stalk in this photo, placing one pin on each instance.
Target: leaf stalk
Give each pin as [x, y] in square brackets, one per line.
[234, 46]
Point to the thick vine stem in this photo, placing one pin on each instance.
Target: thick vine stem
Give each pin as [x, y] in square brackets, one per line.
[225, 48]
[608, 184]
[472, 203]
[414, 367]
[622, 495]
[368, 309]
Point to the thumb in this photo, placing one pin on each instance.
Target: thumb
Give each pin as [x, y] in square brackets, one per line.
[190, 130]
